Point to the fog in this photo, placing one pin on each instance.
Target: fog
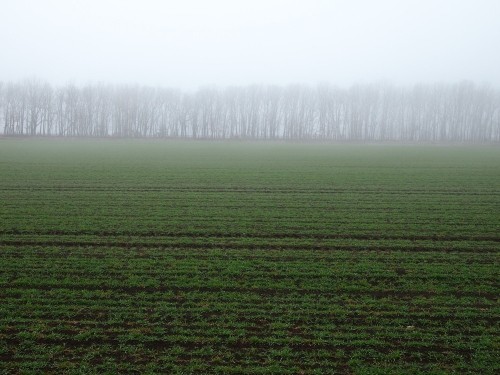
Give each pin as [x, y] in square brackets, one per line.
[192, 43]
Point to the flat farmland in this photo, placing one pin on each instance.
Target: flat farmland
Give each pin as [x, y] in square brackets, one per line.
[239, 257]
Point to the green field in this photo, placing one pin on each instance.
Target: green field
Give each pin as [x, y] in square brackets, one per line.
[235, 257]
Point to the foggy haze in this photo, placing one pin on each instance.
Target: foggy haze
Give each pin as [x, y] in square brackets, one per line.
[188, 44]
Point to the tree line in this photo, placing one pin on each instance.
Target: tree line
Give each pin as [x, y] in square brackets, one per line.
[462, 112]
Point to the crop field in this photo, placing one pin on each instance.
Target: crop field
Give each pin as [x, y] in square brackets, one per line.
[239, 257]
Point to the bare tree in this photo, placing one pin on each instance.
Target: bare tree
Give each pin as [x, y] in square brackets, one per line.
[462, 112]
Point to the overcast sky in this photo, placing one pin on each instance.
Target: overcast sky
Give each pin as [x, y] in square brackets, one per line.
[192, 43]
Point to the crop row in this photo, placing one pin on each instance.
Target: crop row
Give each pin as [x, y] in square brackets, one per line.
[237, 258]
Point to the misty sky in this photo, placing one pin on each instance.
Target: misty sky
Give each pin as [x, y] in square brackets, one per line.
[192, 43]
